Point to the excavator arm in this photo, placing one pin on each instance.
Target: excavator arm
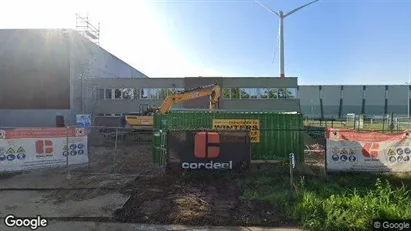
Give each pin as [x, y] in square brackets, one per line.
[146, 120]
[214, 91]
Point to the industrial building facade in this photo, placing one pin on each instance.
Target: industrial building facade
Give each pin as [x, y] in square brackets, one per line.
[330, 101]
[44, 73]
[258, 94]
[117, 96]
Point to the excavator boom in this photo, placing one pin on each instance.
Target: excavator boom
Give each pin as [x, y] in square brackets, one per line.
[145, 121]
[214, 91]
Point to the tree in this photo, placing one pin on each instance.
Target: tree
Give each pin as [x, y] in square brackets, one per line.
[272, 94]
[163, 93]
[244, 94]
[136, 93]
[235, 93]
[286, 93]
[144, 95]
[128, 93]
[117, 93]
[226, 93]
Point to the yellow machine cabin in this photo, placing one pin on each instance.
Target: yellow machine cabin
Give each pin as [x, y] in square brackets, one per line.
[146, 119]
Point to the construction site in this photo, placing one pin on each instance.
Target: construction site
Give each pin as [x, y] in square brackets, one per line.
[106, 144]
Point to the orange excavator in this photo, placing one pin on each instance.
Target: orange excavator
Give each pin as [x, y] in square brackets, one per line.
[145, 120]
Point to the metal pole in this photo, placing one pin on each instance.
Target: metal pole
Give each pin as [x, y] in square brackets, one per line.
[68, 153]
[292, 166]
[281, 45]
[115, 151]
[408, 100]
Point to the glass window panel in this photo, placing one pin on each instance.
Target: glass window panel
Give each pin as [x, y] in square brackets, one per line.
[108, 94]
[227, 93]
[235, 93]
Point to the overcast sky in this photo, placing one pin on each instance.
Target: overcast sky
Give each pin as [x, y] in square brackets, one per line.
[329, 42]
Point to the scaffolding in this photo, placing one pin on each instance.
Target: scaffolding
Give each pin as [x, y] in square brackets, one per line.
[92, 33]
[84, 27]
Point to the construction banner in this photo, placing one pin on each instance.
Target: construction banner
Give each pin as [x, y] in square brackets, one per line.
[30, 148]
[349, 150]
[252, 125]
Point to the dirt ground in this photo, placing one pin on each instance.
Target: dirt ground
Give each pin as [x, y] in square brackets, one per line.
[91, 190]
[173, 200]
[124, 185]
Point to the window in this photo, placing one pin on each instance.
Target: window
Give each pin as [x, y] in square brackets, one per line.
[108, 94]
[117, 93]
[171, 91]
[155, 93]
[253, 93]
[273, 93]
[235, 93]
[145, 93]
[248, 93]
[136, 93]
[174, 90]
[127, 93]
[163, 93]
[282, 93]
[227, 93]
[244, 94]
[264, 93]
[291, 93]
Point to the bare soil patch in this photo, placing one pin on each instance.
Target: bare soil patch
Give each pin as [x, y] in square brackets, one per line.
[109, 169]
[175, 200]
[127, 159]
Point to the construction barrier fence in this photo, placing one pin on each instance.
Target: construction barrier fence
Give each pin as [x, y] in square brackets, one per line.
[92, 150]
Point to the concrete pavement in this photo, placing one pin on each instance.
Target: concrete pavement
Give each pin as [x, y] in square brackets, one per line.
[95, 226]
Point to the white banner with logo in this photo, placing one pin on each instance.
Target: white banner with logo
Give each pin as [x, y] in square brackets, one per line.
[349, 150]
[29, 148]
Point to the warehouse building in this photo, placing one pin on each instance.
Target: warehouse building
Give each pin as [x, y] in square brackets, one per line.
[45, 72]
[117, 96]
[330, 101]
[253, 94]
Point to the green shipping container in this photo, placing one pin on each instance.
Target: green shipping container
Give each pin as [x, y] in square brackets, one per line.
[273, 135]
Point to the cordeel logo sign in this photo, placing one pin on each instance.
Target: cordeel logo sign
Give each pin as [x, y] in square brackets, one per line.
[206, 145]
